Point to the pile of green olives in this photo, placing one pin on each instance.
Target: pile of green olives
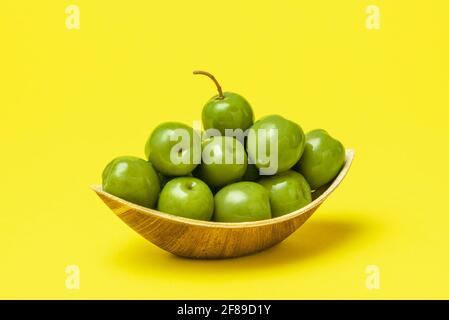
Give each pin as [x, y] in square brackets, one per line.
[223, 177]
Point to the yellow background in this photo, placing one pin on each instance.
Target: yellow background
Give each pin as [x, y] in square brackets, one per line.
[71, 100]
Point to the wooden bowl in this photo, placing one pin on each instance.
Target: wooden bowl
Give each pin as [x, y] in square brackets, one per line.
[207, 239]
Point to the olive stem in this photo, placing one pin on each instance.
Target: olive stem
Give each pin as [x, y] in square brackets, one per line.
[207, 74]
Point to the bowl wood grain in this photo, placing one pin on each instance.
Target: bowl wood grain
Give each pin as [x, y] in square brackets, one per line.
[207, 239]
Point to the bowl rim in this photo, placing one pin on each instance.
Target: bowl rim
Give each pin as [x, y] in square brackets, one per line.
[166, 216]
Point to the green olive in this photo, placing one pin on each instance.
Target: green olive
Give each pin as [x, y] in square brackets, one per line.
[166, 141]
[322, 160]
[226, 110]
[242, 201]
[289, 191]
[132, 179]
[187, 197]
[224, 161]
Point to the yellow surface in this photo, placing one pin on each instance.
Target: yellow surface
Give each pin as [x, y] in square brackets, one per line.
[73, 99]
